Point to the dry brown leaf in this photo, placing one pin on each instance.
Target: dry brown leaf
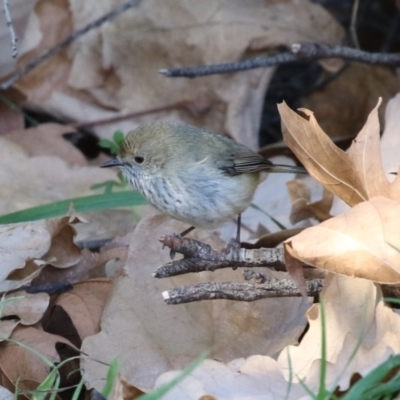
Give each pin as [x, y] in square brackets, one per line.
[138, 325]
[123, 390]
[302, 209]
[20, 363]
[160, 35]
[85, 304]
[358, 243]
[361, 333]
[354, 176]
[63, 249]
[26, 248]
[108, 262]
[273, 239]
[7, 328]
[29, 309]
[256, 377]
[10, 118]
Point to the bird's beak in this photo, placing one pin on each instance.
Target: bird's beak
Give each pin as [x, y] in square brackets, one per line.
[114, 162]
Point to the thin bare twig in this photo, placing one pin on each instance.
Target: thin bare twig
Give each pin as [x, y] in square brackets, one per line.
[67, 41]
[200, 257]
[297, 52]
[239, 291]
[10, 27]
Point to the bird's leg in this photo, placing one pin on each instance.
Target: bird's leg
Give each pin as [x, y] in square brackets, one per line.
[239, 225]
[186, 231]
[234, 244]
[182, 234]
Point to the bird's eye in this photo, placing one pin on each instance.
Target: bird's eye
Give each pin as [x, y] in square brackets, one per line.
[139, 160]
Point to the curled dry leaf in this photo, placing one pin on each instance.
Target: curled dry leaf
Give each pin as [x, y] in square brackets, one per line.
[361, 333]
[363, 242]
[26, 248]
[19, 363]
[302, 208]
[29, 309]
[257, 377]
[354, 176]
[85, 304]
[7, 328]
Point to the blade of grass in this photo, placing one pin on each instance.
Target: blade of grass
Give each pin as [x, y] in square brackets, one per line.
[111, 377]
[78, 390]
[363, 386]
[96, 202]
[322, 374]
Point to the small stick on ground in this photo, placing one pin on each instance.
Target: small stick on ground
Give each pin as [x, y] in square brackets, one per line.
[199, 257]
[297, 52]
[239, 291]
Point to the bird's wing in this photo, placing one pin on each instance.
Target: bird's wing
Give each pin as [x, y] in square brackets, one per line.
[244, 162]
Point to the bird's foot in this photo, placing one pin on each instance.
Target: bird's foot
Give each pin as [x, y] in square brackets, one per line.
[172, 252]
[233, 248]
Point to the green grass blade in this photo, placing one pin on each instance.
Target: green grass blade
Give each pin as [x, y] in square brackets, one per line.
[111, 377]
[322, 392]
[96, 202]
[78, 390]
[162, 390]
[363, 386]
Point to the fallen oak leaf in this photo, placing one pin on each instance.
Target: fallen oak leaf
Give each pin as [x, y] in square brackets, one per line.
[354, 176]
[360, 242]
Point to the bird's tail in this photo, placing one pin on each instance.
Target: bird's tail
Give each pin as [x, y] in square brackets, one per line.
[286, 168]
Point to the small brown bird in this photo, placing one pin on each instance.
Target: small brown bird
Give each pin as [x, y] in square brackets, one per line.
[192, 174]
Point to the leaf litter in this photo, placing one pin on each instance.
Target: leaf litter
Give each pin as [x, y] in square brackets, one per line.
[125, 317]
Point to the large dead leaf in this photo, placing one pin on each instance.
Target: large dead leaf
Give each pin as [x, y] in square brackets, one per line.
[29, 308]
[26, 248]
[354, 176]
[85, 304]
[98, 77]
[19, 363]
[362, 242]
[361, 333]
[303, 208]
[138, 325]
[257, 377]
